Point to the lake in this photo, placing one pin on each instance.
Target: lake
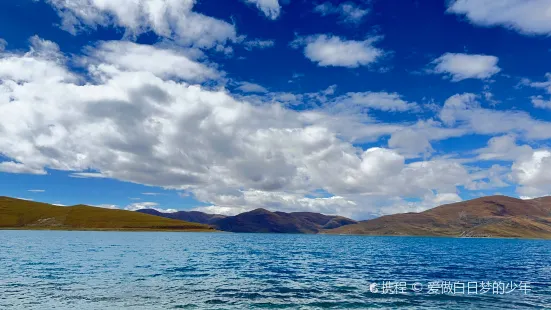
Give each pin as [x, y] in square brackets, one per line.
[134, 270]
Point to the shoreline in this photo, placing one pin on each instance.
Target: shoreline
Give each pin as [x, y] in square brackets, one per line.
[108, 229]
[228, 232]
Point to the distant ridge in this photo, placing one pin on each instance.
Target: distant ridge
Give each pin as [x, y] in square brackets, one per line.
[262, 221]
[23, 214]
[492, 216]
[189, 216]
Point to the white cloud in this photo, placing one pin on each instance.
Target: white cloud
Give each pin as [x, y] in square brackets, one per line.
[234, 152]
[3, 44]
[42, 62]
[151, 194]
[277, 201]
[36, 190]
[13, 167]
[334, 51]
[531, 173]
[525, 16]
[167, 18]
[108, 206]
[258, 44]
[497, 176]
[539, 101]
[546, 85]
[466, 66]
[163, 62]
[383, 101]
[270, 8]
[86, 175]
[464, 111]
[348, 12]
[503, 148]
[410, 142]
[248, 87]
[27, 199]
[147, 205]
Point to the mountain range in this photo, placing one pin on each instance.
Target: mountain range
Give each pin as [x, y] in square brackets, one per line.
[261, 221]
[493, 216]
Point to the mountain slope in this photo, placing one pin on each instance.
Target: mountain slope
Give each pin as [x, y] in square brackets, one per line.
[493, 216]
[263, 221]
[23, 214]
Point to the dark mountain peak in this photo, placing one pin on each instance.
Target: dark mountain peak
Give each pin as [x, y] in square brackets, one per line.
[151, 211]
[188, 216]
[259, 211]
[261, 220]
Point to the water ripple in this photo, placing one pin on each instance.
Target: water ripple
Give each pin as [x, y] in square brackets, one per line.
[119, 270]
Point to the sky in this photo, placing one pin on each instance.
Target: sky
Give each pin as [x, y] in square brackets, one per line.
[359, 108]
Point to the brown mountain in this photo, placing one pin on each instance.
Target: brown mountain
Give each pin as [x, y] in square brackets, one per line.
[493, 216]
[264, 221]
[23, 214]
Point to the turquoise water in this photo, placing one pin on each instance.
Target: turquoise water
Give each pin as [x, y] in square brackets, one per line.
[123, 270]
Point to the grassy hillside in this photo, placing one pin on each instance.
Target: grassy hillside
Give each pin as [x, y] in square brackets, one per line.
[494, 216]
[22, 214]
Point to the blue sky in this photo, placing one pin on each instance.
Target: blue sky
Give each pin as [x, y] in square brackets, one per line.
[360, 108]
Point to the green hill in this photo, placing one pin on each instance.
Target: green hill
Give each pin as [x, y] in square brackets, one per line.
[23, 214]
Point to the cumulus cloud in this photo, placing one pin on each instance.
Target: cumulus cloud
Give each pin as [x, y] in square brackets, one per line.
[163, 62]
[531, 173]
[410, 142]
[525, 16]
[270, 8]
[504, 148]
[466, 66]
[464, 111]
[231, 152]
[334, 51]
[42, 62]
[174, 19]
[348, 12]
